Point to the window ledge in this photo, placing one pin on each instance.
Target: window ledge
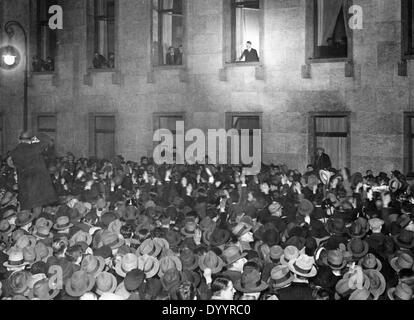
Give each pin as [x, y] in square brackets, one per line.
[243, 64]
[117, 76]
[43, 73]
[328, 60]
[105, 70]
[169, 67]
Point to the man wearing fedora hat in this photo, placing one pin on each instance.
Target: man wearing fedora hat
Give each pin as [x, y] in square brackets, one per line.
[235, 261]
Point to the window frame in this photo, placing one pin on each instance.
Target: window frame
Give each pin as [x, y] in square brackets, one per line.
[38, 115]
[2, 133]
[229, 125]
[157, 65]
[229, 54]
[310, 35]
[408, 149]
[407, 53]
[91, 37]
[313, 134]
[93, 131]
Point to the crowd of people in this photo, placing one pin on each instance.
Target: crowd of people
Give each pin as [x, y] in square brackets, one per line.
[111, 229]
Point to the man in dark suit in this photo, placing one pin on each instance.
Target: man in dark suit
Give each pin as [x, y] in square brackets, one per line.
[170, 58]
[322, 161]
[250, 54]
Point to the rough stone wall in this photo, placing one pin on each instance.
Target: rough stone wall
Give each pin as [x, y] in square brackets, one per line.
[376, 96]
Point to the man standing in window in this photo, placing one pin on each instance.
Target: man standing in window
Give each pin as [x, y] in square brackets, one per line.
[170, 58]
[322, 161]
[250, 54]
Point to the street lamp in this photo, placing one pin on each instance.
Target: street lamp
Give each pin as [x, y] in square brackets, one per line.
[10, 59]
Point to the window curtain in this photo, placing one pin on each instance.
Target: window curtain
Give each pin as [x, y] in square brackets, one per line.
[328, 11]
[247, 29]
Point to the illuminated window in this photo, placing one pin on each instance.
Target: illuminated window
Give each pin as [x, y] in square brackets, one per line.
[167, 32]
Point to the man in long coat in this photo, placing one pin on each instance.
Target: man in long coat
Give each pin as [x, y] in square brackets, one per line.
[33, 178]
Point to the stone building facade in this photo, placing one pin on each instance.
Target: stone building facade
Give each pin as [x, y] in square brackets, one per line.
[371, 89]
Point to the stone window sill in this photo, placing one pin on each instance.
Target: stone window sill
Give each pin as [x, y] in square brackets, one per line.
[328, 60]
[103, 70]
[43, 73]
[243, 64]
[169, 67]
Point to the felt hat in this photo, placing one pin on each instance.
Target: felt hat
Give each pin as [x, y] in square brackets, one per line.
[276, 252]
[134, 279]
[370, 262]
[357, 247]
[303, 266]
[335, 260]
[250, 282]
[405, 239]
[377, 282]
[173, 237]
[149, 264]
[169, 262]
[79, 283]
[150, 248]
[42, 291]
[189, 228]
[93, 265]
[212, 261]
[105, 283]
[188, 259]
[62, 223]
[128, 262]
[336, 226]
[216, 237]
[114, 241]
[25, 241]
[401, 292]
[376, 224]
[81, 236]
[232, 254]
[360, 294]
[42, 232]
[402, 261]
[18, 282]
[24, 217]
[6, 228]
[171, 278]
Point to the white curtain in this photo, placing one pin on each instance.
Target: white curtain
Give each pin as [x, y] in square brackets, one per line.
[328, 11]
[247, 29]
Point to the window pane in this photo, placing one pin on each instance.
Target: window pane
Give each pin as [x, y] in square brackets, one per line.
[246, 122]
[172, 37]
[336, 149]
[412, 125]
[169, 122]
[331, 124]
[248, 4]
[247, 29]
[105, 123]
[105, 145]
[331, 39]
[105, 32]
[46, 123]
[174, 5]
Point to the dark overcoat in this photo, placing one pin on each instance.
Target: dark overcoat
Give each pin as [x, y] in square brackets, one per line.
[34, 181]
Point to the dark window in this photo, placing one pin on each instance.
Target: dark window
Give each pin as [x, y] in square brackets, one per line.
[408, 26]
[331, 29]
[104, 35]
[47, 124]
[167, 32]
[168, 122]
[245, 27]
[46, 38]
[409, 142]
[1, 134]
[243, 121]
[332, 134]
[102, 136]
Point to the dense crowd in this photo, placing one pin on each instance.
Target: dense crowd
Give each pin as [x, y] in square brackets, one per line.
[124, 230]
